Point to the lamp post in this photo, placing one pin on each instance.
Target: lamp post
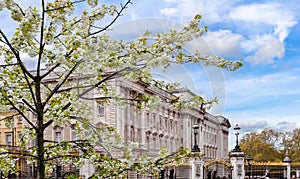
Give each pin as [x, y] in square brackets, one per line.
[249, 161]
[196, 132]
[197, 163]
[237, 147]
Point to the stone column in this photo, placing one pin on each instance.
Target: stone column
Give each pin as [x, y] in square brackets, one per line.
[86, 170]
[197, 168]
[288, 170]
[128, 137]
[143, 131]
[237, 162]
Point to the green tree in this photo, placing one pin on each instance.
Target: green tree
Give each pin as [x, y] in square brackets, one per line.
[263, 146]
[271, 145]
[292, 144]
[272, 137]
[69, 37]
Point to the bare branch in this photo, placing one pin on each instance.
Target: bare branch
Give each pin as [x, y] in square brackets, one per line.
[47, 124]
[12, 64]
[64, 30]
[79, 144]
[50, 70]
[94, 128]
[62, 156]
[110, 76]
[29, 105]
[42, 45]
[17, 55]
[63, 7]
[22, 66]
[8, 117]
[62, 82]
[21, 113]
[119, 13]
[23, 13]
[75, 87]
[21, 153]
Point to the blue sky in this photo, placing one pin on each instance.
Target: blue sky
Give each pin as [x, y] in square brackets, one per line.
[265, 92]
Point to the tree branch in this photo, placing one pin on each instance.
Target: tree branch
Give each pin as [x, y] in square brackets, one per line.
[23, 13]
[23, 68]
[17, 55]
[63, 7]
[61, 83]
[7, 117]
[77, 144]
[29, 105]
[21, 113]
[62, 156]
[19, 153]
[103, 80]
[42, 45]
[119, 13]
[94, 130]
[50, 70]
[12, 64]
[75, 87]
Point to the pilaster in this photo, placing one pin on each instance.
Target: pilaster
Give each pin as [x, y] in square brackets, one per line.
[237, 162]
[197, 168]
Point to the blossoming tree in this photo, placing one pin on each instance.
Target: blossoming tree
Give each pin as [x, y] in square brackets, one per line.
[70, 41]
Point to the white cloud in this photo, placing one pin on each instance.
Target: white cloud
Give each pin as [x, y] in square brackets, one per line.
[212, 10]
[169, 11]
[221, 43]
[262, 19]
[271, 13]
[267, 52]
[253, 125]
[266, 47]
[259, 122]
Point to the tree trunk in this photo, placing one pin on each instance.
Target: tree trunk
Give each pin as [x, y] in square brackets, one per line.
[41, 169]
[40, 151]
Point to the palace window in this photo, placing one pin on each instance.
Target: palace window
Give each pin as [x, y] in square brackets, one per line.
[101, 108]
[148, 142]
[75, 136]
[9, 139]
[20, 119]
[148, 119]
[132, 134]
[20, 135]
[34, 142]
[58, 137]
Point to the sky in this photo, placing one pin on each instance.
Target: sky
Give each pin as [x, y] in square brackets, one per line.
[265, 34]
[265, 92]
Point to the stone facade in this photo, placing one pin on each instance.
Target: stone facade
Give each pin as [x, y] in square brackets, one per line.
[151, 129]
[10, 136]
[165, 126]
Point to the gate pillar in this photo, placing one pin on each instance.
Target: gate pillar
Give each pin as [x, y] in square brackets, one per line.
[197, 168]
[287, 161]
[237, 162]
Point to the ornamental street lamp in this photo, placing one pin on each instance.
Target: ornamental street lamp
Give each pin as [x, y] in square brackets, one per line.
[196, 132]
[249, 161]
[237, 147]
